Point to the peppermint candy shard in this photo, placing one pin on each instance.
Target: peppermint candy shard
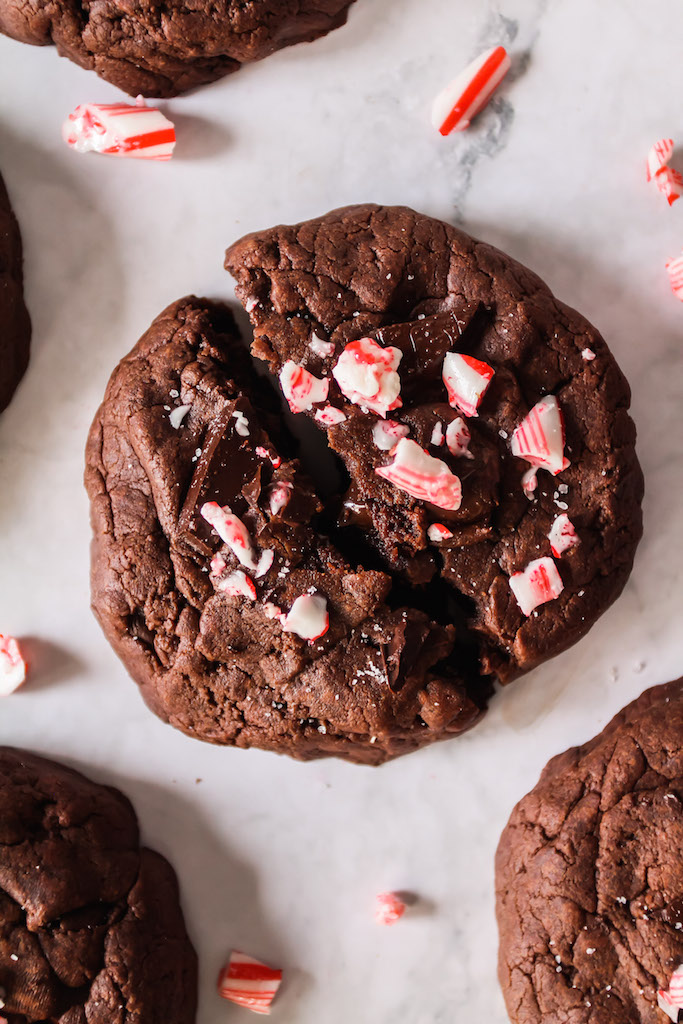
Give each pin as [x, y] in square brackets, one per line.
[386, 434]
[177, 415]
[664, 1002]
[438, 532]
[249, 983]
[675, 992]
[658, 157]
[458, 438]
[562, 535]
[367, 377]
[675, 270]
[389, 909]
[530, 483]
[466, 381]
[263, 453]
[417, 473]
[234, 533]
[12, 666]
[670, 184]
[329, 416]
[588, 355]
[539, 438]
[320, 347]
[308, 617]
[279, 495]
[466, 95]
[120, 129]
[537, 584]
[437, 435]
[237, 584]
[301, 389]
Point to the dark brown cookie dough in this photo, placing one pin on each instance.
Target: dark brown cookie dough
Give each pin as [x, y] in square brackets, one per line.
[589, 875]
[385, 678]
[90, 924]
[164, 50]
[401, 278]
[15, 326]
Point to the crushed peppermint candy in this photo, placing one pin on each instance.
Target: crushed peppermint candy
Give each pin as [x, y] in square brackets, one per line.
[249, 983]
[537, 584]
[251, 304]
[263, 453]
[241, 423]
[530, 482]
[177, 415]
[12, 666]
[386, 434]
[437, 438]
[438, 532]
[120, 129]
[234, 533]
[329, 416]
[466, 380]
[389, 908]
[671, 1000]
[308, 617]
[539, 438]
[417, 473]
[466, 95]
[301, 389]
[366, 375]
[458, 438]
[658, 157]
[237, 584]
[675, 270]
[588, 355]
[320, 347]
[562, 536]
[278, 496]
[670, 184]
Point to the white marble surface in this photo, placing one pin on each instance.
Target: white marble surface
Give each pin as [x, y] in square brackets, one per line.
[278, 858]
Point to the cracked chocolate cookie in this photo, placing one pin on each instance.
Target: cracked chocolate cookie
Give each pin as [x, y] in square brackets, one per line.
[589, 878]
[164, 50]
[90, 924]
[15, 326]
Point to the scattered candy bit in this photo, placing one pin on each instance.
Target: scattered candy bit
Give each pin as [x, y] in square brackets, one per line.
[301, 389]
[530, 483]
[12, 666]
[670, 184]
[438, 532]
[466, 381]
[539, 438]
[251, 304]
[120, 129]
[664, 1002]
[588, 354]
[671, 1001]
[320, 347]
[387, 434]
[466, 95]
[278, 496]
[234, 533]
[237, 584]
[329, 416]
[562, 535]
[272, 611]
[437, 435]
[658, 157]
[458, 438]
[675, 269]
[366, 375]
[241, 423]
[263, 453]
[177, 415]
[249, 983]
[390, 908]
[417, 473]
[308, 617]
[539, 583]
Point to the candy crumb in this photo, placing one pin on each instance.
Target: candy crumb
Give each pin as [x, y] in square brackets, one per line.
[249, 983]
[12, 666]
[389, 908]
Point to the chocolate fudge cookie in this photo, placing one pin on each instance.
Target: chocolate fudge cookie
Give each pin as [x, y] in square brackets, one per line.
[15, 326]
[217, 585]
[589, 876]
[166, 50]
[90, 925]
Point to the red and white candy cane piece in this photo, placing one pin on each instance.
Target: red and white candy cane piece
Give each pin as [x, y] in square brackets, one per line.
[466, 381]
[120, 129]
[389, 908]
[658, 157]
[320, 347]
[670, 184]
[562, 535]
[666, 1003]
[301, 389]
[530, 482]
[263, 453]
[278, 496]
[237, 584]
[539, 438]
[366, 375]
[675, 991]
[329, 416]
[387, 434]
[537, 584]
[675, 269]
[234, 533]
[249, 983]
[588, 355]
[308, 617]
[417, 473]
[12, 666]
[458, 438]
[438, 532]
[466, 95]
[437, 437]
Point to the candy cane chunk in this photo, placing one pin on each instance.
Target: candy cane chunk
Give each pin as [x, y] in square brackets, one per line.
[279, 496]
[237, 584]
[438, 532]
[458, 438]
[437, 438]
[670, 184]
[530, 483]
[320, 347]
[308, 617]
[329, 416]
[389, 908]
[249, 983]
[664, 1002]
[177, 415]
[539, 438]
[658, 157]
[234, 533]
[562, 535]
[386, 434]
[671, 1001]
[466, 381]
[588, 355]
[675, 269]
[466, 95]
[120, 129]
[366, 375]
[422, 476]
[301, 389]
[12, 666]
[539, 583]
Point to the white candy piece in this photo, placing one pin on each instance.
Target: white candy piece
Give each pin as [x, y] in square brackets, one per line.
[278, 496]
[438, 532]
[366, 375]
[464, 97]
[237, 584]
[241, 423]
[234, 533]
[417, 473]
[466, 380]
[120, 129]
[12, 666]
[537, 584]
[458, 438]
[329, 416]
[320, 347]
[301, 389]
[308, 617]
[386, 434]
[539, 438]
[177, 415]
[437, 435]
[562, 535]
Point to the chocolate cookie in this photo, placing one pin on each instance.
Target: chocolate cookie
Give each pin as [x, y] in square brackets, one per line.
[90, 924]
[15, 326]
[589, 876]
[163, 51]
